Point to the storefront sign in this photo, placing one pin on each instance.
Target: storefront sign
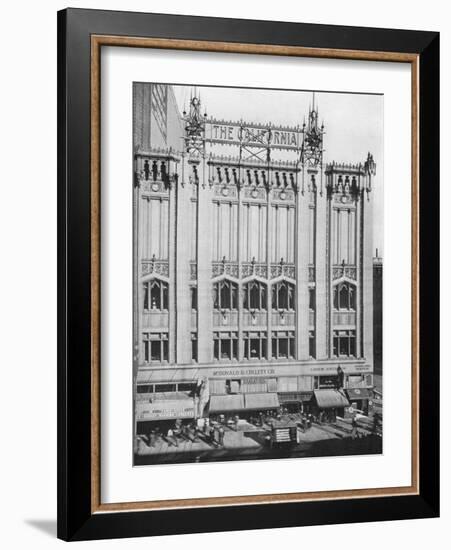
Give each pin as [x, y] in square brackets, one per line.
[243, 372]
[178, 374]
[164, 410]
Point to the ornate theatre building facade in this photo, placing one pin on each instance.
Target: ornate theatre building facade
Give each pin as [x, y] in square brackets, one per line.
[253, 272]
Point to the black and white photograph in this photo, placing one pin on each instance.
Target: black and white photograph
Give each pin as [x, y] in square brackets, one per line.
[258, 246]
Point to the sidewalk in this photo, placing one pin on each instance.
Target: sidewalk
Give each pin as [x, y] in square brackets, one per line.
[247, 440]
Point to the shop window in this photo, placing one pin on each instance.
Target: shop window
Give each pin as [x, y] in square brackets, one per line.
[283, 296]
[254, 296]
[233, 386]
[193, 291]
[255, 345]
[225, 295]
[282, 345]
[144, 388]
[344, 343]
[156, 295]
[155, 347]
[345, 297]
[225, 346]
[165, 388]
[188, 387]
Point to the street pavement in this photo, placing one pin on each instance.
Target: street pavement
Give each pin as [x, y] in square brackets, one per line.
[249, 442]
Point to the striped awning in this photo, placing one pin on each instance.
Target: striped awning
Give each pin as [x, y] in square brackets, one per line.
[224, 403]
[330, 399]
[256, 401]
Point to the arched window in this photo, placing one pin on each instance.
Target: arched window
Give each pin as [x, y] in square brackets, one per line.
[225, 295]
[254, 296]
[283, 296]
[156, 295]
[344, 296]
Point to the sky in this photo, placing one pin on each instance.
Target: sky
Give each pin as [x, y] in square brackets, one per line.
[353, 124]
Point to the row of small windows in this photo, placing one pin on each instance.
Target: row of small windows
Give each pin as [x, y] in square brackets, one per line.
[225, 345]
[255, 296]
[225, 296]
[255, 345]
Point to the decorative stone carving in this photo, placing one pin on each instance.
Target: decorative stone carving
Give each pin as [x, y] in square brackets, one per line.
[282, 269]
[159, 267]
[225, 267]
[249, 269]
[343, 270]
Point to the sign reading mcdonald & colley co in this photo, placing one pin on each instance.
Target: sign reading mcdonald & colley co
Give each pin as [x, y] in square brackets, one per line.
[253, 135]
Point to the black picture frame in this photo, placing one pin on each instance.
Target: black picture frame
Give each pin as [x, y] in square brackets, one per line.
[76, 520]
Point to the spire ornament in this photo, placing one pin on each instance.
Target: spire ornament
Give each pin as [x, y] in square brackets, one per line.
[194, 137]
[312, 138]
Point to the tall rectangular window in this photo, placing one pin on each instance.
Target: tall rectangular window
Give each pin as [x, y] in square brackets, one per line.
[283, 296]
[225, 346]
[282, 345]
[154, 228]
[344, 343]
[255, 345]
[193, 291]
[343, 224]
[312, 299]
[311, 343]
[253, 232]
[156, 347]
[225, 295]
[156, 295]
[194, 346]
[283, 234]
[254, 296]
[225, 231]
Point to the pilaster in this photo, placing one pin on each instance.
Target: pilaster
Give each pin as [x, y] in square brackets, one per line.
[322, 268]
[182, 273]
[302, 270]
[204, 266]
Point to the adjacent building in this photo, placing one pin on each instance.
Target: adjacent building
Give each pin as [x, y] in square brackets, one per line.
[377, 309]
[253, 272]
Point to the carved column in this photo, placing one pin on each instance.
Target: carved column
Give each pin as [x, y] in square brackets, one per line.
[302, 271]
[204, 266]
[182, 275]
[172, 251]
[322, 275]
[367, 276]
[359, 278]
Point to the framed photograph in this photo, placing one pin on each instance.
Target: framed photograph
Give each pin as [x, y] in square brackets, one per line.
[248, 274]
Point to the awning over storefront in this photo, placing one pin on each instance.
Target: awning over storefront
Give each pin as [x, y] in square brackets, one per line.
[256, 401]
[359, 393]
[330, 399]
[295, 397]
[223, 403]
[164, 409]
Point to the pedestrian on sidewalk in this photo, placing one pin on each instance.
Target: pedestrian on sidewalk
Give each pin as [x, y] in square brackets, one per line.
[212, 435]
[206, 427]
[172, 440]
[354, 427]
[221, 436]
